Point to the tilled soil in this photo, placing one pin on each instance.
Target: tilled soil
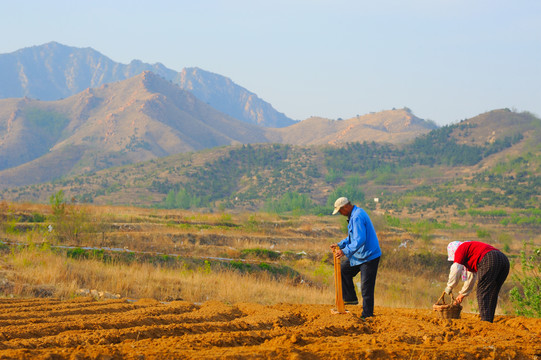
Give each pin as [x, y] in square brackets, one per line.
[146, 329]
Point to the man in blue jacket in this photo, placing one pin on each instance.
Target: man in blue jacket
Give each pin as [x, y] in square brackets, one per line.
[361, 247]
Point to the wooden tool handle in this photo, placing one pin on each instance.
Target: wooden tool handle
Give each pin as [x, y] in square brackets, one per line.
[340, 307]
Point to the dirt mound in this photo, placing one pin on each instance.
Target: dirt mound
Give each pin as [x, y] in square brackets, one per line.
[118, 329]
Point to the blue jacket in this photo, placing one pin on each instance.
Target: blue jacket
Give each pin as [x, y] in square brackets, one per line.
[362, 243]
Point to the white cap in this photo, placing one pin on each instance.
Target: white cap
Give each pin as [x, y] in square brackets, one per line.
[339, 203]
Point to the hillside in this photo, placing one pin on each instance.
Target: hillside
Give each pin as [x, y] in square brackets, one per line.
[391, 126]
[138, 119]
[146, 117]
[223, 94]
[54, 71]
[437, 175]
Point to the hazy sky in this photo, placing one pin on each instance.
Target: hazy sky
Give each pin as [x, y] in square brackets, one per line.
[447, 60]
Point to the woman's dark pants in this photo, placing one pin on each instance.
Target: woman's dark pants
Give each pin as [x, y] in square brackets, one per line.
[491, 274]
[368, 270]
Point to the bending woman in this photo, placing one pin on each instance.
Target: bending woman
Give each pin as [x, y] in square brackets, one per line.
[491, 267]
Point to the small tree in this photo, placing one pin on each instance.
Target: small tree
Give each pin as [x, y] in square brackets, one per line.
[57, 204]
[526, 297]
[69, 222]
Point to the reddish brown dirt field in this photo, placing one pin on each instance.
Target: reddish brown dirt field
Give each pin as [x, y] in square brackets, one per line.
[147, 329]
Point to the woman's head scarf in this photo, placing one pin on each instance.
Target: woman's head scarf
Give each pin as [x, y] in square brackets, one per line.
[451, 249]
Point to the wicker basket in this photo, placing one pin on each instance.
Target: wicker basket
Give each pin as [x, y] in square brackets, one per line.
[447, 311]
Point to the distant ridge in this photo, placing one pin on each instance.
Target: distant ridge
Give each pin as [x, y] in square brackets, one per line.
[222, 94]
[393, 126]
[54, 71]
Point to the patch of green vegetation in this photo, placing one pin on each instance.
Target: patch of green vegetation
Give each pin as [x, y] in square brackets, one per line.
[186, 264]
[275, 270]
[37, 218]
[136, 143]
[290, 201]
[323, 272]
[351, 189]
[266, 172]
[260, 254]
[333, 176]
[517, 189]
[181, 199]
[240, 265]
[80, 253]
[526, 295]
[415, 227]
[10, 227]
[483, 234]
[50, 122]
[252, 224]
[524, 217]
[487, 213]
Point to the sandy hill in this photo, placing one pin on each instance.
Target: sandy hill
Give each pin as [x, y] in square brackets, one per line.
[393, 126]
[138, 119]
[497, 124]
[500, 128]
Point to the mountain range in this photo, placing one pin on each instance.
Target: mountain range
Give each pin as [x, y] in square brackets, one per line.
[70, 117]
[145, 117]
[54, 71]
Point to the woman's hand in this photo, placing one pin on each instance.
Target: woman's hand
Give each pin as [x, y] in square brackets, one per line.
[459, 298]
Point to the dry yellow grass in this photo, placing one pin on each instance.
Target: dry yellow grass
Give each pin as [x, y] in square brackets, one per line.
[41, 271]
[35, 268]
[36, 271]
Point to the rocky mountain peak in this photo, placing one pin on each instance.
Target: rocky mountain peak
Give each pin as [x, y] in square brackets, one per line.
[54, 71]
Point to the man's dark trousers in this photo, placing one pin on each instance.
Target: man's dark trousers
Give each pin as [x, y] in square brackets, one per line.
[369, 271]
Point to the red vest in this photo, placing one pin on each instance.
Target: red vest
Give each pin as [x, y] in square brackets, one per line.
[470, 253]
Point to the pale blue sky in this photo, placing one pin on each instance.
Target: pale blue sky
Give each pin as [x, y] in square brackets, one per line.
[447, 60]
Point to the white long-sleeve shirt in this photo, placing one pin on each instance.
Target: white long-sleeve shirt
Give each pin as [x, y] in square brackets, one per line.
[455, 273]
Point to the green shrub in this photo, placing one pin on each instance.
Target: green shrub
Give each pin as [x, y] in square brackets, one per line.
[77, 253]
[392, 221]
[240, 266]
[526, 296]
[69, 223]
[483, 234]
[351, 189]
[290, 201]
[37, 218]
[260, 253]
